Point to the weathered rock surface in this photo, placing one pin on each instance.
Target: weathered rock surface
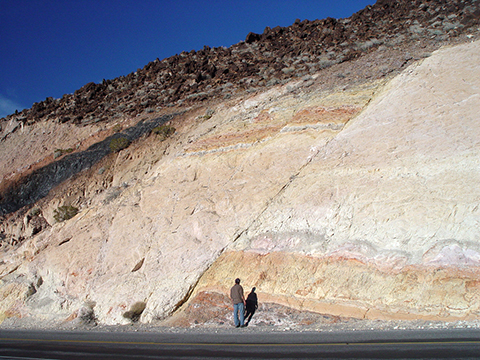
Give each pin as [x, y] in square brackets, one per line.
[358, 202]
[340, 180]
[384, 228]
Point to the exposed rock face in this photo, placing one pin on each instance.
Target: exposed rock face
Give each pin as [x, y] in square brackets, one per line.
[384, 228]
[349, 192]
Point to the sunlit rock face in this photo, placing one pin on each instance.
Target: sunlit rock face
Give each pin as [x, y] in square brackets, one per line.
[398, 185]
[383, 222]
[358, 201]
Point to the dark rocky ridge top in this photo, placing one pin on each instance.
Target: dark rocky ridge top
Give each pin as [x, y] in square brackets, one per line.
[262, 60]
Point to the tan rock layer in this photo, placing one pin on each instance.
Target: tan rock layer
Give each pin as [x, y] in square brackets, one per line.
[267, 125]
[349, 287]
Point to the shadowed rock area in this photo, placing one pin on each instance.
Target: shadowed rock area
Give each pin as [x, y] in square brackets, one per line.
[38, 184]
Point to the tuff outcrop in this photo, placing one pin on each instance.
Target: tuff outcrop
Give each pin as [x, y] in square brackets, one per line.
[348, 190]
[379, 229]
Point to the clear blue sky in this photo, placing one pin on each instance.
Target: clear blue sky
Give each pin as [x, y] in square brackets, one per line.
[53, 47]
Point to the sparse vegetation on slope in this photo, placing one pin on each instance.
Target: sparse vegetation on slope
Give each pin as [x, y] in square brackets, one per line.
[119, 143]
[164, 131]
[316, 171]
[65, 212]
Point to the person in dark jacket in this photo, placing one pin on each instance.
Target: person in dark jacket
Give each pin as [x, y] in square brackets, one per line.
[251, 306]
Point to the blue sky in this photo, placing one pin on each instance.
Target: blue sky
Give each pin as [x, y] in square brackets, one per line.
[53, 47]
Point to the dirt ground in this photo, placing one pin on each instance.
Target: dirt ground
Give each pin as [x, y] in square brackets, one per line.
[212, 313]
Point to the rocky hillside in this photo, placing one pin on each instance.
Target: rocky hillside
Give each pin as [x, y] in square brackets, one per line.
[332, 164]
[262, 60]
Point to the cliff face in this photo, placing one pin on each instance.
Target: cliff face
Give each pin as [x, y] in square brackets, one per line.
[385, 227]
[348, 190]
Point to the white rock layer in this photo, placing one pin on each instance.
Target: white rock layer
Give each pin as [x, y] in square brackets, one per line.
[279, 176]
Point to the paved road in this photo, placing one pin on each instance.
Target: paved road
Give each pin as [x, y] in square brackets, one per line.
[246, 344]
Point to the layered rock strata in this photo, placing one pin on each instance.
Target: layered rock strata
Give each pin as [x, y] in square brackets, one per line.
[384, 221]
[358, 201]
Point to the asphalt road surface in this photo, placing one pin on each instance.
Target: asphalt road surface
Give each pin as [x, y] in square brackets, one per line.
[244, 344]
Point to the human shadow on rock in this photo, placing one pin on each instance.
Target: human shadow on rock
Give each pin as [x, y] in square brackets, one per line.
[251, 306]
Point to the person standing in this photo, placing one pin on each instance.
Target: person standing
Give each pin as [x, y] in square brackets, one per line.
[251, 306]
[238, 300]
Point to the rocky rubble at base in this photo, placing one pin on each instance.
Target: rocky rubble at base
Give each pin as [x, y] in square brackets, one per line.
[265, 320]
[212, 313]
